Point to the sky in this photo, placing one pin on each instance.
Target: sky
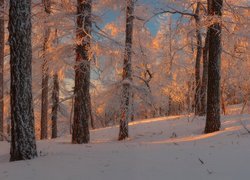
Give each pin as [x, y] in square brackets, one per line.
[153, 25]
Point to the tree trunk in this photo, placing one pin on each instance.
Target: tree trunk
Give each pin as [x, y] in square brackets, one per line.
[126, 103]
[55, 105]
[1, 69]
[214, 67]
[82, 73]
[71, 115]
[55, 97]
[45, 75]
[92, 121]
[23, 144]
[171, 110]
[223, 102]
[197, 101]
[203, 92]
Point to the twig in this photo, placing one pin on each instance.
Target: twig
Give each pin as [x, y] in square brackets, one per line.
[242, 110]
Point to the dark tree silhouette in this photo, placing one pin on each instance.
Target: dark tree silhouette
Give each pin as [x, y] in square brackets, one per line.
[214, 67]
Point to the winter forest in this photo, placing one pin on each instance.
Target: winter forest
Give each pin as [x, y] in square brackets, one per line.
[124, 89]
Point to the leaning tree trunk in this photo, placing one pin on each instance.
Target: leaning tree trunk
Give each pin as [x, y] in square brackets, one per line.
[203, 91]
[197, 102]
[45, 75]
[23, 145]
[55, 105]
[214, 67]
[126, 103]
[82, 73]
[1, 69]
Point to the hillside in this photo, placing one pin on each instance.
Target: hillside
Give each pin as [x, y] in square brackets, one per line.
[163, 148]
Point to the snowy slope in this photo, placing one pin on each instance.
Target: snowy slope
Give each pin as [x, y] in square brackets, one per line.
[167, 148]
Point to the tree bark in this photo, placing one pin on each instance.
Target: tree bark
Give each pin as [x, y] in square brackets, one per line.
[171, 109]
[1, 70]
[126, 103]
[23, 145]
[223, 102]
[197, 101]
[55, 97]
[82, 73]
[71, 115]
[203, 92]
[55, 105]
[45, 75]
[214, 67]
[92, 121]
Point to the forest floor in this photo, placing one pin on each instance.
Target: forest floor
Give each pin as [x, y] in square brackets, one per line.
[172, 148]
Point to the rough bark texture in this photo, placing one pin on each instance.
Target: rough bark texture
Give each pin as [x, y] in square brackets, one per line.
[1, 70]
[45, 75]
[197, 101]
[55, 105]
[23, 145]
[126, 103]
[82, 74]
[214, 67]
[203, 92]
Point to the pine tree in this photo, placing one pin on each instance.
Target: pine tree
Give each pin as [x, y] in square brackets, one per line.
[1, 69]
[23, 145]
[126, 102]
[82, 73]
[45, 75]
[214, 67]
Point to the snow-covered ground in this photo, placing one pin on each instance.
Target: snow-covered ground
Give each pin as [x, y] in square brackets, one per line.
[167, 148]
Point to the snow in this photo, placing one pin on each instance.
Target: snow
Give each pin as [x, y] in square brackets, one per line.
[163, 148]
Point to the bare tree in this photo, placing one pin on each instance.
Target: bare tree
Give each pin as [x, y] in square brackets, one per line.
[23, 144]
[214, 66]
[126, 102]
[203, 91]
[45, 75]
[82, 73]
[198, 60]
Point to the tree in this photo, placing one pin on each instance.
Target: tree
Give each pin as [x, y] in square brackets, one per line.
[214, 67]
[45, 75]
[198, 60]
[1, 69]
[171, 109]
[82, 73]
[23, 144]
[55, 97]
[203, 91]
[55, 104]
[126, 99]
